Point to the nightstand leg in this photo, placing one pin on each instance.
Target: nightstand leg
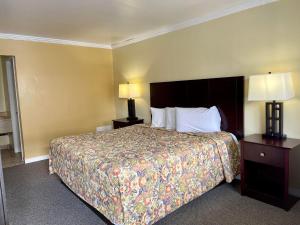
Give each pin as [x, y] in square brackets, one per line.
[286, 181]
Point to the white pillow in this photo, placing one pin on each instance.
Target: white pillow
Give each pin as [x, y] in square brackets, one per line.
[198, 120]
[170, 118]
[158, 117]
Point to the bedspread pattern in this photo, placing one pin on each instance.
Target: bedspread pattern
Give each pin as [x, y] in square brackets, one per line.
[138, 174]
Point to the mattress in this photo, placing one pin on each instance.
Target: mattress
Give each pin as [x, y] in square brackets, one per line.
[139, 174]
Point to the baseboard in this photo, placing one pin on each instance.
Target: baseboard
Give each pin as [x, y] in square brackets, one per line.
[36, 159]
[104, 128]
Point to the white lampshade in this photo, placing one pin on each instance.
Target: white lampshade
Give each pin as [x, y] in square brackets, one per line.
[129, 91]
[271, 87]
[123, 90]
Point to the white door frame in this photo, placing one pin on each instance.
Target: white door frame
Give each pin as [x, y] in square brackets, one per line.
[16, 95]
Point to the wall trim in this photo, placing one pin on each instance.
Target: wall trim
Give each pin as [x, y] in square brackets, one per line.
[203, 19]
[52, 40]
[36, 159]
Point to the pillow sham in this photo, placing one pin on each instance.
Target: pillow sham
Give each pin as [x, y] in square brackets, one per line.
[158, 117]
[198, 120]
[170, 118]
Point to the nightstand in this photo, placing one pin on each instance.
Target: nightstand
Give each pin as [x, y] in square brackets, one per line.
[119, 123]
[265, 169]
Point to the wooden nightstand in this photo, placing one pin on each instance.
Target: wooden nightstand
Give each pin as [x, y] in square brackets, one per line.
[265, 169]
[119, 123]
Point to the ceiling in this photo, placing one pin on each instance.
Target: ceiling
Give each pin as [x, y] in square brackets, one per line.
[110, 22]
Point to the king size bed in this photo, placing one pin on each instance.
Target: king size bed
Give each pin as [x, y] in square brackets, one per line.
[139, 174]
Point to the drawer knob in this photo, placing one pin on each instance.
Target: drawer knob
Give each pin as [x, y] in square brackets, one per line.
[262, 154]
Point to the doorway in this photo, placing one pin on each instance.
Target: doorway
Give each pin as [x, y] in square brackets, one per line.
[11, 144]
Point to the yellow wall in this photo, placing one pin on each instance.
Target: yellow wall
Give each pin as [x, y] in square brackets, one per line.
[63, 90]
[251, 42]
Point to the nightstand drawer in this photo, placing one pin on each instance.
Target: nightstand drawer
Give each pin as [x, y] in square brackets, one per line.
[263, 154]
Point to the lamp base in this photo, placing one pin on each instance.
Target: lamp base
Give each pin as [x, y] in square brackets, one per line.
[131, 110]
[274, 120]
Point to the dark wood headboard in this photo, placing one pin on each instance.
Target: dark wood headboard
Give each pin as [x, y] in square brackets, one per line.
[225, 93]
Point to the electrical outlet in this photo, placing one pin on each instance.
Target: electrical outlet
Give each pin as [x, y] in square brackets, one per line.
[104, 128]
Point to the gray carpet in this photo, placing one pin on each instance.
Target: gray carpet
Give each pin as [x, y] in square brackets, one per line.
[36, 198]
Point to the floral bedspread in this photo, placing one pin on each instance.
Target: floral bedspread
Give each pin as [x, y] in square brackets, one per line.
[137, 175]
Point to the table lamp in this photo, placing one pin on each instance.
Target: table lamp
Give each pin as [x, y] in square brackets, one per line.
[129, 91]
[272, 88]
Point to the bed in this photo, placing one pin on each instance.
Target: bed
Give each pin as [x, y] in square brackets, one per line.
[138, 174]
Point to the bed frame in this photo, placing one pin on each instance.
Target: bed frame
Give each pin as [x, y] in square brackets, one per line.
[225, 93]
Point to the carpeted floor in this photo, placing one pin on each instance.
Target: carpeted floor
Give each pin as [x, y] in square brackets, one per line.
[36, 198]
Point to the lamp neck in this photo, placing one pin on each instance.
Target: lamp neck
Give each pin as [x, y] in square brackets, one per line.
[131, 109]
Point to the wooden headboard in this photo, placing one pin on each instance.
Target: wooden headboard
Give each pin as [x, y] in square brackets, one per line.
[225, 93]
